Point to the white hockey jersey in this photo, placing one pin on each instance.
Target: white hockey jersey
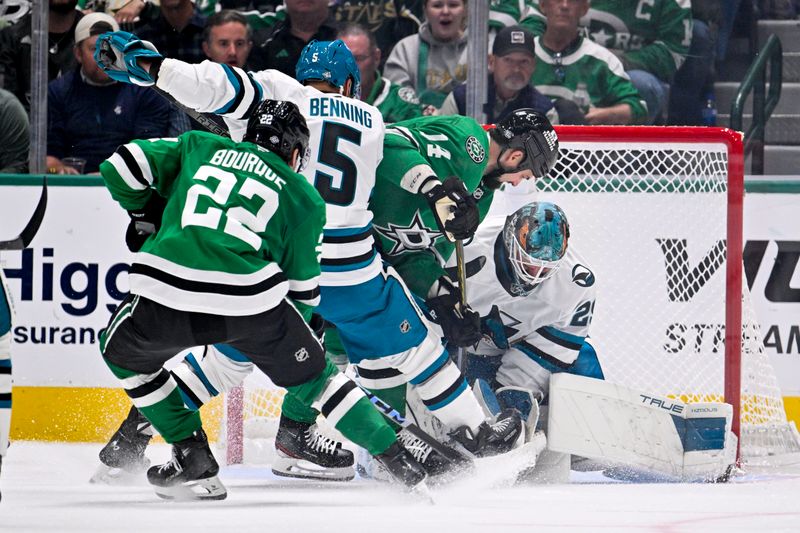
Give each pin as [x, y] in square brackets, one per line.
[537, 333]
[345, 148]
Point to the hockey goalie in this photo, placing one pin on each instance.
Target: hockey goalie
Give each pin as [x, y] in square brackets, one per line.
[536, 296]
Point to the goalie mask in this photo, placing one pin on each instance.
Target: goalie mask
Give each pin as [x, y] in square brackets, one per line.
[279, 127]
[329, 61]
[530, 131]
[535, 237]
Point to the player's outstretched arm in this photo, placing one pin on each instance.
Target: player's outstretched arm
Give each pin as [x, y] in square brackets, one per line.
[206, 87]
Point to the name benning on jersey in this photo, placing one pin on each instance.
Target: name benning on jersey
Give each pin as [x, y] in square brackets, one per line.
[246, 162]
[337, 108]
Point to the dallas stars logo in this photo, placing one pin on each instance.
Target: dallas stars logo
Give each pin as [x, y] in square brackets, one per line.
[416, 236]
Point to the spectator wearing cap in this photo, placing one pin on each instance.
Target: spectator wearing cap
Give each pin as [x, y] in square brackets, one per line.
[587, 83]
[511, 64]
[89, 114]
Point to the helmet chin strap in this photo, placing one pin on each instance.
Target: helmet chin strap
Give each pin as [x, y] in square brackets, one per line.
[492, 179]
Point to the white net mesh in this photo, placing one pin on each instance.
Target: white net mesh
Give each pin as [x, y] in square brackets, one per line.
[650, 218]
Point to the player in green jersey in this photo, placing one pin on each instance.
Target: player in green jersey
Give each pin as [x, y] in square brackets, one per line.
[423, 152]
[230, 256]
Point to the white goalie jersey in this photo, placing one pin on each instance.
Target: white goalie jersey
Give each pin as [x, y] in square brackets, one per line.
[345, 148]
[538, 333]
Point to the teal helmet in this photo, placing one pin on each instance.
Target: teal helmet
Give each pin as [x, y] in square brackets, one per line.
[329, 61]
[535, 237]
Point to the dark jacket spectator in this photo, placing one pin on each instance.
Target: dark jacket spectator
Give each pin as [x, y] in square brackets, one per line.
[278, 46]
[15, 49]
[90, 115]
[177, 32]
[511, 65]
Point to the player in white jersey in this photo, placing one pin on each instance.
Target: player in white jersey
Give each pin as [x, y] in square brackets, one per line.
[535, 295]
[367, 301]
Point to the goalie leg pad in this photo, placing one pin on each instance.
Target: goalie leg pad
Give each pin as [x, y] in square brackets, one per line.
[608, 422]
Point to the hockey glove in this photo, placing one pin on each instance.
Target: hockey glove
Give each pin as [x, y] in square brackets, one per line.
[144, 222]
[460, 324]
[454, 208]
[118, 54]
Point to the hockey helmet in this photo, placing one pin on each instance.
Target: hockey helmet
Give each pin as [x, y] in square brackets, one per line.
[279, 127]
[329, 61]
[535, 237]
[530, 131]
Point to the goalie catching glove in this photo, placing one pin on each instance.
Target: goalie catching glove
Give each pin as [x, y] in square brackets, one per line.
[454, 208]
[118, 54]
[460, 324]
[144, 222]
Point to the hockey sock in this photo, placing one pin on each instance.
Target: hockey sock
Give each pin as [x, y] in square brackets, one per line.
[158, 398]
[446, 394]
[294, 409]
[394, 396]
[347, 409]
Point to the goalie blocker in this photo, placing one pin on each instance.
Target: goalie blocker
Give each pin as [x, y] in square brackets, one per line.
[647, 435]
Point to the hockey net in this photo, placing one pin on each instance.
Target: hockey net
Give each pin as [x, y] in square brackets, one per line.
[651, 210]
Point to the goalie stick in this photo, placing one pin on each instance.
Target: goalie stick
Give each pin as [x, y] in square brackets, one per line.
[27, 235]
[459, 460]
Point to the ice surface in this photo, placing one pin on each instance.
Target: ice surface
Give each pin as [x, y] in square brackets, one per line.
[45, 488]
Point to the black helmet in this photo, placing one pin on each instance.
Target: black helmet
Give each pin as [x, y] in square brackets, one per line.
[528, 130]
[279, 127]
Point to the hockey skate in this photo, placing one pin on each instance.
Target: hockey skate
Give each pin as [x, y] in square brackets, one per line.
[191, 474]
[123, 457]
[440, 469]
[492, 439]
[401, 465]
[304, 452]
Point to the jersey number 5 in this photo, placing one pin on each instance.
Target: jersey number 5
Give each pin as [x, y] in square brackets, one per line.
[239, 222]
[330, 155]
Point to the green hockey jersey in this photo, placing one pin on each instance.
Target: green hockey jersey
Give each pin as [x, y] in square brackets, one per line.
[558, 74]
[414, 149]
[395, 102]
[240, 231]
[654, 35]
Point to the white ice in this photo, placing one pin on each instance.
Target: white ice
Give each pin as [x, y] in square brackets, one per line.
[45, 488]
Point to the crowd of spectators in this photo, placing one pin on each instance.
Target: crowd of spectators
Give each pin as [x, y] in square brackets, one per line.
[579, 61]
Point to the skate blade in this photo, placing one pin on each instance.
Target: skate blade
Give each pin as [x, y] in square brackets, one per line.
[107, 475]
[201, 489]
[300, 468]
[422, 491]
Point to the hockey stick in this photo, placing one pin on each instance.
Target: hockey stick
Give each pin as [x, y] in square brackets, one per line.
[459, 460]
[205, 121]
[462, 287]
[27, 235]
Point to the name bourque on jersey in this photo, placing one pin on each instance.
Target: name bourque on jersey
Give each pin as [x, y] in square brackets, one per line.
[232, 208]
[345, 148]
[551, 321]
